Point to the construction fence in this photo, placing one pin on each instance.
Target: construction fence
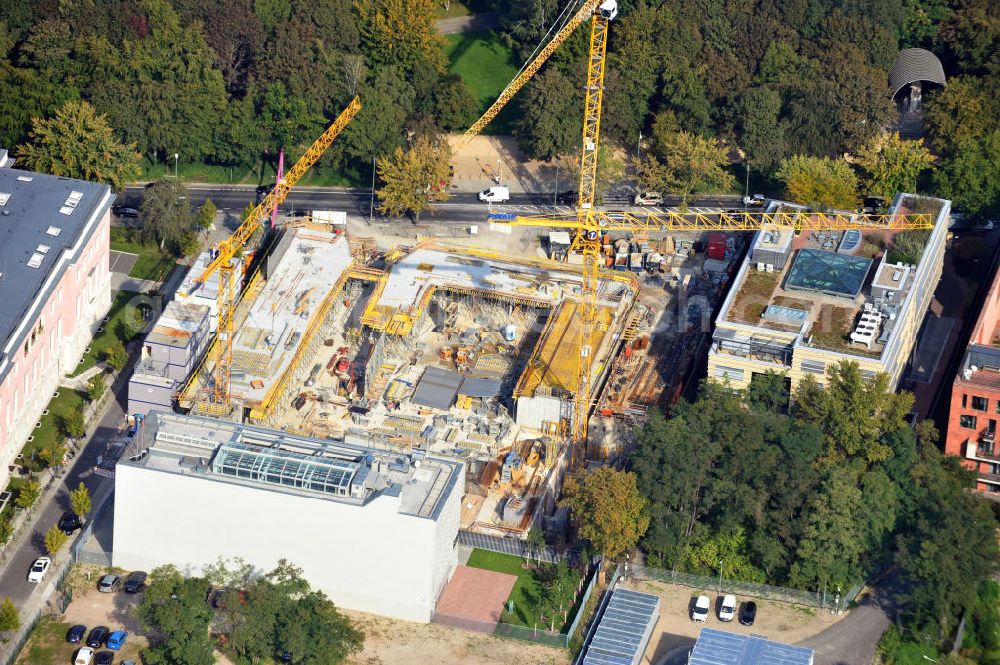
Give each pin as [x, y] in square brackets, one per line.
[831, 599]
[517, 547]
[537, 634]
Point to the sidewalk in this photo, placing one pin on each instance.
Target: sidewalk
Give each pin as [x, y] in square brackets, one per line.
[471, 23]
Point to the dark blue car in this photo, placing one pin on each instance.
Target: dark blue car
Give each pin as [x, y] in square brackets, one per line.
[76, 634]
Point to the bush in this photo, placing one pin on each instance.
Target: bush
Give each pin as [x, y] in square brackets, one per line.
[96, 388]
[28, 494]
[115, 355]
[908, 247]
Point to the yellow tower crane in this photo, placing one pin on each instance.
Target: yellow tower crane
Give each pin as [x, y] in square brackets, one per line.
[227, 249]
[590, 224]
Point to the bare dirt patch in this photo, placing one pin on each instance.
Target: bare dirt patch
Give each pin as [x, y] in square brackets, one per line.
[393, 641]
[782, 622]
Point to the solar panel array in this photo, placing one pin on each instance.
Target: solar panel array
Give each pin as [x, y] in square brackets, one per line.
[624, 629]
[717, 647]
[282, 467]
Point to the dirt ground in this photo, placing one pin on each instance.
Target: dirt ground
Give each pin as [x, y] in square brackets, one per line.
[394, 642]
[782, 622]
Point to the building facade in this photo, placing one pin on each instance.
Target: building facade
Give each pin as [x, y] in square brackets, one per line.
[376, 531]
[975, 398]
[55, 288]
[787, 327]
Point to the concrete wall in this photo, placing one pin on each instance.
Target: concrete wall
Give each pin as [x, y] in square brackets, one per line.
[367, 558]
[64, 323]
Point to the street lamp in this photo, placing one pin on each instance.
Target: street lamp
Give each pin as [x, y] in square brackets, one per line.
[746, 197]
[176, 156]
[555, 192]
[721, 561]
[371, 206]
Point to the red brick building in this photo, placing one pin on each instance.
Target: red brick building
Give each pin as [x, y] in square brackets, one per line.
[975, 398]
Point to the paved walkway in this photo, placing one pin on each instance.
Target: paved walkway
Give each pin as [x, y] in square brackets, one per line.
[472, 23]
[79, 382]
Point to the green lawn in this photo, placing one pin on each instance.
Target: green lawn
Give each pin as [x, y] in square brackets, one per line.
[153, 263]
[486, 65]
[528, 594]
[47, 644]
[50, 433]
[121, 317]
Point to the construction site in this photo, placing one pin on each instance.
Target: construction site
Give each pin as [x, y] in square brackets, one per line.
[460, 351]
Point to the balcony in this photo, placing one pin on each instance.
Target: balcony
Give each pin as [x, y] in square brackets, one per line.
[986, 450]
[992, 478]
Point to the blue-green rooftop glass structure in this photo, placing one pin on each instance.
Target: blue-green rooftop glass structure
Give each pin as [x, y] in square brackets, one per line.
[282, 467]
[827, 272]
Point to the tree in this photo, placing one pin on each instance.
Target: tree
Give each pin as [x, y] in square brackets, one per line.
[819, 182]
[166, 215]
[684, 164]
[608, 510]
[78, 143]
[10, 619]
[115, 355]
[401, 32]
[535, 541]
[414, 178]
[79, 501]
[96, 387]
[74, 424]
[456, 108]
[206, 215]
[854, 414]
[892, 165]
[550, 116]
[967, 174]
[54, 540]
[28, 494]
[763, 128]
[768, 392]
[175, 607]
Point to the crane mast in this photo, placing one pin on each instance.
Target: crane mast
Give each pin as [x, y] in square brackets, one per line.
[226, 250]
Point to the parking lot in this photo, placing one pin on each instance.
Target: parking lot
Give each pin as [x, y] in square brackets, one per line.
[779, 621]
[91, 608]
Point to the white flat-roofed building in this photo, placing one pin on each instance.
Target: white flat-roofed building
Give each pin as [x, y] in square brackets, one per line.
[374, 530]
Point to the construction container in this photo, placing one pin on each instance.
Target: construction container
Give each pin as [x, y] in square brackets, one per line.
[635, 262]
[621, 261]
[717, 246]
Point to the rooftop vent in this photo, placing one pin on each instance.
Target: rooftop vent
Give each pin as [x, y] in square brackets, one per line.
[4, 197]
[72, 201]
[25, 178]
[54, 231]
[43, 249]
[35, 260]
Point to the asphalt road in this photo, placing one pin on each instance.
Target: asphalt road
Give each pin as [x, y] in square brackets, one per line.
[461, 207]
[14, 578]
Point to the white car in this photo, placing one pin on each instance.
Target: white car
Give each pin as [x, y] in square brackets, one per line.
[700, 611]
[728, 608]
[495, 195]
[39, 568]
[83, 656]
[648, 199]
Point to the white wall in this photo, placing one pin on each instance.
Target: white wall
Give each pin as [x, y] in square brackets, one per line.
[367, 558]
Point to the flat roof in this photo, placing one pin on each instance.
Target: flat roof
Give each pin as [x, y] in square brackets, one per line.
[624, 630]
[273, 460]
[44, 223]
[828, 272]
[718, 647]
[891, 276]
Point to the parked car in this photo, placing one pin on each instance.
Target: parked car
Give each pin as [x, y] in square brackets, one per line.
[125, 211]
[135, 582]
[104, 658]
[495, 194]
[116, 640]
[97, 637]
[39, 568]
[109, 583]
[75, 634]
[69, 522]
[700, 611]
[748, 613]
[728, 608]
[648, 199]
[756, 200]
[568, 198]
[84, 655]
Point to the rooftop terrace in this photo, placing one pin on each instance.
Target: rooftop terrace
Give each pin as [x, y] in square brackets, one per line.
[258, 457]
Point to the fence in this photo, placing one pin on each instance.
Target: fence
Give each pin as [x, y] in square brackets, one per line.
[525, 633]
[597, 615]
[831, 599]
[517, 547]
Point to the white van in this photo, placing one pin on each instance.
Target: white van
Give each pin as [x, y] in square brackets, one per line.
[495, 194]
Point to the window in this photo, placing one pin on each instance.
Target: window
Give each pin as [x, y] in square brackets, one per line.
[733, 374]
[968, 422]
[814, 367]
[979, 403]
[965, 401]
